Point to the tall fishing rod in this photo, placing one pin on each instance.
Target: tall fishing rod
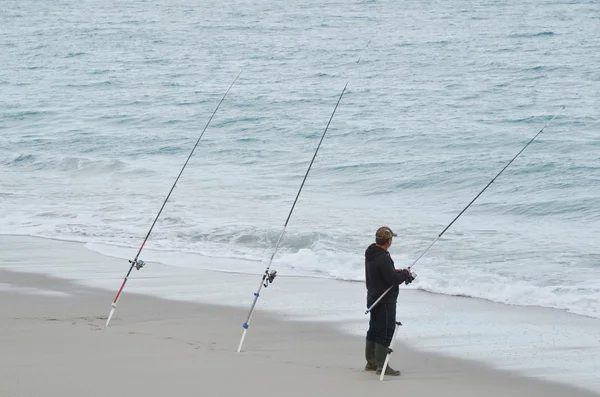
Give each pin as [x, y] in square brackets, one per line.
[138, 263]
[269, 276]
[472, 201]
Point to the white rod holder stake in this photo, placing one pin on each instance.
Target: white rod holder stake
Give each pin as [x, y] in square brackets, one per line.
[390, 351]
[267, 278]
[242, 340]
[112, 311]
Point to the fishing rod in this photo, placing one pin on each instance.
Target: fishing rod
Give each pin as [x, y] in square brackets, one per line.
[398, 324]
[472, 201]
[136, 262]
[269, 276]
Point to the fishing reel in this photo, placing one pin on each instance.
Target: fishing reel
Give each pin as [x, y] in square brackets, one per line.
[138, 263]
[411, 277]
[269, 277]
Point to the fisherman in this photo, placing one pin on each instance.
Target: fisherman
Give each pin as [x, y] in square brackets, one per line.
[380, 274]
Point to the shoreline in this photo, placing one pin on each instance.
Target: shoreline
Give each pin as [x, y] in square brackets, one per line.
[155, 345]
[435, 325]
[260, 270]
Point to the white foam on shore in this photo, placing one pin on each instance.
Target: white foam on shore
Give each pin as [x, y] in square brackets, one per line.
[5, 287]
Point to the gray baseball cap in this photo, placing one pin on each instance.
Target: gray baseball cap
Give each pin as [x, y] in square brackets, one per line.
[385, 233]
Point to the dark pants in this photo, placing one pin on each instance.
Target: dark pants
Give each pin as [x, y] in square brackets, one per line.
[382, 323]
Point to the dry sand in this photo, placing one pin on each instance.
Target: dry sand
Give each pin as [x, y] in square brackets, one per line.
[55, 344]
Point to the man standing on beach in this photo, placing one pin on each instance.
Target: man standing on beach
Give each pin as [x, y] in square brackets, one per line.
[380, 274]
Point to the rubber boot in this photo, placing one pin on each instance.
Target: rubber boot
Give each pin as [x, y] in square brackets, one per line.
[370, 356]
[380, 355]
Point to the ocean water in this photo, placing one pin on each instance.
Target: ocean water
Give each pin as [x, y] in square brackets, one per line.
[101, 103]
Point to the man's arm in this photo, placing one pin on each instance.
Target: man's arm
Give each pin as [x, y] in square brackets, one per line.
[391, 275]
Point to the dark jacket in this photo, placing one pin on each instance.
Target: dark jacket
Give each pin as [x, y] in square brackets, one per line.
[380, 274]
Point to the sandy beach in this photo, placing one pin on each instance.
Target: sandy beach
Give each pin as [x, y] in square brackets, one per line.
[54, 344]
